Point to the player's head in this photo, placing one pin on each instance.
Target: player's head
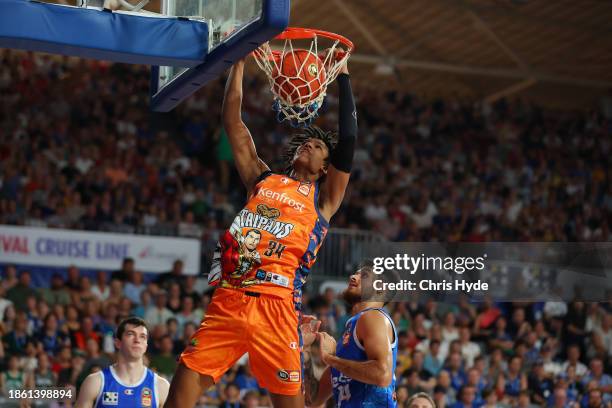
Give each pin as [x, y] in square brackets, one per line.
[361, 286]
[131, 338]
[420, 400]
[310, 150]
[251, 240]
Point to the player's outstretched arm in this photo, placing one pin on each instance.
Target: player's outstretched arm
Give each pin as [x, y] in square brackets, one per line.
[374, 329]
[89, 391]
[341, 159]
[249, 165]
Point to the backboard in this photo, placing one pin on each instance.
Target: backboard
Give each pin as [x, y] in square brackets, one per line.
[235, 28]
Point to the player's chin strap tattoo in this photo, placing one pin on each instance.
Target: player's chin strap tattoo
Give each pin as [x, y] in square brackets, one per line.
[342, 156]
[311, 383]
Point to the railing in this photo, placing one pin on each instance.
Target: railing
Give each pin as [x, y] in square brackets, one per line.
[342, 252]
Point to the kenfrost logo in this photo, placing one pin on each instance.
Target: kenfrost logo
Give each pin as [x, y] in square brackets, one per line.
[281, 197]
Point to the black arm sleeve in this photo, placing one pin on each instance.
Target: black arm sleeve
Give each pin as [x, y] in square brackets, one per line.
[342, 155]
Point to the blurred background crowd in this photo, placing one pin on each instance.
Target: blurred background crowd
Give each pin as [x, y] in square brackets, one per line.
[79, 149]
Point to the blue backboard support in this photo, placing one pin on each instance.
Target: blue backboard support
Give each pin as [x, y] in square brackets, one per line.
[273, 19]
[102, 34]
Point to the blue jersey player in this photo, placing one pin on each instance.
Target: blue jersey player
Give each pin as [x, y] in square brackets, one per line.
[361, 367]
[128, 382]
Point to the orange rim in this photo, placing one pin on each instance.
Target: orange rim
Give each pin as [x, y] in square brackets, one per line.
[297, 33]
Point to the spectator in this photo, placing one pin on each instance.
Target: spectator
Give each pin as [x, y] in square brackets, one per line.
[573, 360]
[50, 337]
[134, 287]
[158, 314]
[13, 378]
[469, 349]
[232, 397]
[175, 275]
[57, 293]
[85, 333]
[467, 396]
[100, 289]
[73, 283]
[15, 341]
[42, 377]
[123, 274]
[164, 362]
[19, 293]
[433, 363]
[10, 277]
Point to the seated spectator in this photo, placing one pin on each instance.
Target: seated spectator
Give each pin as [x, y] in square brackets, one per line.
[469, 349]
[85, 333]
[127, 268]
[73, 282]
[57, 293]
[231, 397]
[19, 293]
[158, 314]
[467, 397]
[13, 378]
[42, 377]
[433, 362]
[50, 337]
[174, 275]
[9, 279]
[101, 289]
[134, 287]
[15, 341]
[597, 376]
[539, 384]
[573, 360]
[164, 362]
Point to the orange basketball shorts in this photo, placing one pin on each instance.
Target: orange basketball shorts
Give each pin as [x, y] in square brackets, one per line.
[264, 326]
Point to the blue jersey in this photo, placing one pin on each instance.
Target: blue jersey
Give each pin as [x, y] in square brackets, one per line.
[119, 395]
[350, 393]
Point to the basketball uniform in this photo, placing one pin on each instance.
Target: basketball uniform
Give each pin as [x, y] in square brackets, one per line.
[259, 268]
[116, 394]
[349, 393]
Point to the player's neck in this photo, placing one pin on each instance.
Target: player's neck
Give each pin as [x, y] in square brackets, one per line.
[361, 306]
[303, 175]
[130, 372]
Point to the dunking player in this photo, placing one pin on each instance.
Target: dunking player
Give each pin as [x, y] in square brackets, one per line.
[256, 309]
[127, 383]
[361, 370]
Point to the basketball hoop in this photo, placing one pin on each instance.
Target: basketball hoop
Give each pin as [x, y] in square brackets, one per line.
[299, 77]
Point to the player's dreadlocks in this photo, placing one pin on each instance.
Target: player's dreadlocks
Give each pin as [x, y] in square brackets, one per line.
[311, 132]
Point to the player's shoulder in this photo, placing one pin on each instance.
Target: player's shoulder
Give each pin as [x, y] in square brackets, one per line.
[373, 319]
[161, 381]
[93, 379]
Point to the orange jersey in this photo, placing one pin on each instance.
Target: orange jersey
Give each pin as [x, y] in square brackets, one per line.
[273, 241]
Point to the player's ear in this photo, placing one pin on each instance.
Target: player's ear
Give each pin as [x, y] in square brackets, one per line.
[117, 343]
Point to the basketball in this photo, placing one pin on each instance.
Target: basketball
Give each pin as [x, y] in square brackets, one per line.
[299, 77]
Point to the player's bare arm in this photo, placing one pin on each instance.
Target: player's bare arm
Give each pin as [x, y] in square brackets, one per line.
[375, 334]
[317, 391]
[339, 170]
[89, 391]
[163, 386]
[249, 165]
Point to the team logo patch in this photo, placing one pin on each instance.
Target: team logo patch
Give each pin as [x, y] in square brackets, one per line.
[110, 398]
[146, 398]
[260, 274]
[128, 391]
[266, 211]
[283, 375]
[346, 337]
[304, 189]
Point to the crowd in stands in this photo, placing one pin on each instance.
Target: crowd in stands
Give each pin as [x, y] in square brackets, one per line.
[552, 354]
[80, 149]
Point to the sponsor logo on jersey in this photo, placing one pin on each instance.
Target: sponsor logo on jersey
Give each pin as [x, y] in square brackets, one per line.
[110, 398]
[304, 189]
[293, 345]
[248, 219]
[146, 398]
[283, 198]
[288, 376]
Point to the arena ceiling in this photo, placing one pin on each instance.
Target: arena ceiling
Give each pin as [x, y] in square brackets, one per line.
[555, 52]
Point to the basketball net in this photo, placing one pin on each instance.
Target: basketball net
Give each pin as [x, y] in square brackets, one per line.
[269, 59]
